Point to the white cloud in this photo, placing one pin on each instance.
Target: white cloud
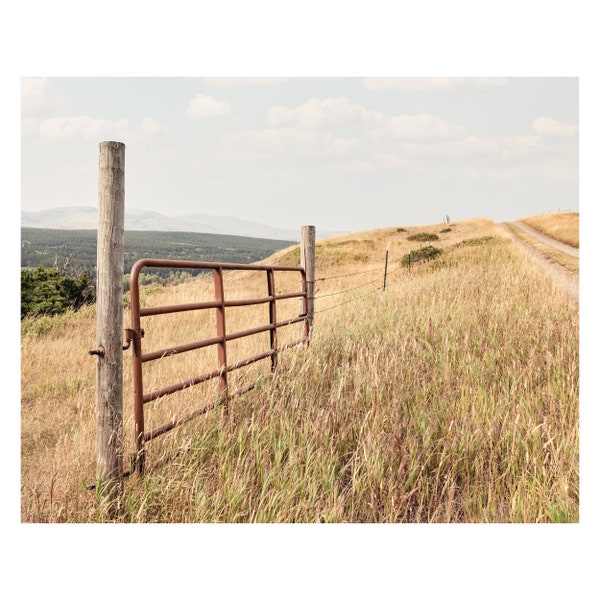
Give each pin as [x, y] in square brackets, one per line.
[392, 161]
[150, 127]
[61, 129]
[467, 146]
[202, 107]
[419, 126]
[553, 170]
[32, 89]
[84, 127]
[520, 145]
[271, 139]
[355, 166]
[29, 125]
[328, 112]
[432, 84]
[289, 141]
[34, 94]
[552, 127]
[221, 82]
[342, 145]
[471, 145]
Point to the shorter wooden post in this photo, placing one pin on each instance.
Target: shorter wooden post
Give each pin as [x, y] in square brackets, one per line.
[307, 262]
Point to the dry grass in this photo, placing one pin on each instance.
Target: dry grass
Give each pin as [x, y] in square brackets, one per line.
[563, 227]
[450, 397]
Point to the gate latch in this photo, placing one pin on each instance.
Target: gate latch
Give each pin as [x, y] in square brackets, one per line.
[130, 335]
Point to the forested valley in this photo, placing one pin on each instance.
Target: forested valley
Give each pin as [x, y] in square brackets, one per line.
[58, 266]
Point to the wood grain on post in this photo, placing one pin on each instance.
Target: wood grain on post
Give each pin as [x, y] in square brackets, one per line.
[109, 322]
[307, 262]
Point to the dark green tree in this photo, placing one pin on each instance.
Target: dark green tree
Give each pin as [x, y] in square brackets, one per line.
[45, 291]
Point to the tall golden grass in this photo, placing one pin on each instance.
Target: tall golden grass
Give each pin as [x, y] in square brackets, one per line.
[452, 396]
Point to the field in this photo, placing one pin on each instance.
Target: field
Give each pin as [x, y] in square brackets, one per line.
[452, 396]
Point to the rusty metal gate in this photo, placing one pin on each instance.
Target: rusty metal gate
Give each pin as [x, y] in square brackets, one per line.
[136, 334]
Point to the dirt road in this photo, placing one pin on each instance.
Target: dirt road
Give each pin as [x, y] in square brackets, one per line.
[547, 240]
[563, 278]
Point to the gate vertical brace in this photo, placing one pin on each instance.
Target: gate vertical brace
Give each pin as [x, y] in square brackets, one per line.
[307, 262]
[272, 318]
[222, 333]
[138, 382]
[109, 325]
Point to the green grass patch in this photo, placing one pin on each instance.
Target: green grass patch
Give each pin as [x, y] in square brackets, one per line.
[479, 241]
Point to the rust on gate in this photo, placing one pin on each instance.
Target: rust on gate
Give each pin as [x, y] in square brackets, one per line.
[135, 334]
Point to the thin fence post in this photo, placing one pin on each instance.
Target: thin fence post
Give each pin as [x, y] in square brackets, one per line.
[109, 324]
[387, 250]
[307, 262]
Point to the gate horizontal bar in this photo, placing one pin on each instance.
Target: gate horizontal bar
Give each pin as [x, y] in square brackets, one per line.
[202, 378]
[149, 397]
[179, 349]
[190, 264]
[156, 354]
[176, 422]
[174, 308]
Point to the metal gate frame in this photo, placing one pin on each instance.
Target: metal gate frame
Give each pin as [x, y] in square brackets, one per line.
[136, 333]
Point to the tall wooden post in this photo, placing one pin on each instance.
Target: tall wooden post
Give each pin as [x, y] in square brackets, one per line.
[307, 262]
[109, 324]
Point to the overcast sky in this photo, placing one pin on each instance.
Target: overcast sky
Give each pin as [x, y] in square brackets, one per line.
[343, 153]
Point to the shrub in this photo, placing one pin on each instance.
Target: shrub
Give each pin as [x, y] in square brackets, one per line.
[426, 253]
[423, 237]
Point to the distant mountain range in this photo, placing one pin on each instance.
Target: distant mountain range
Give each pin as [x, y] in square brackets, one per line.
[86, 217]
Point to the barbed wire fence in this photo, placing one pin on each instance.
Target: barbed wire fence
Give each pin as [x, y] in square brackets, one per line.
[377, 288]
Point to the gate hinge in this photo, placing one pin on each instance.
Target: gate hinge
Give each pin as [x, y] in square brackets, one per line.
[98, 351]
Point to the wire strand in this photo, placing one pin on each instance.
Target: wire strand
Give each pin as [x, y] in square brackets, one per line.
[348, 274]
[347, 301]
[345, 291]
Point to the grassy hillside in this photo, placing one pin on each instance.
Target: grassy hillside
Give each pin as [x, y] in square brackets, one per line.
[452, 396]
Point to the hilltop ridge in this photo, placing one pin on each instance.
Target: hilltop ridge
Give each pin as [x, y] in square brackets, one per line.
[140, 219]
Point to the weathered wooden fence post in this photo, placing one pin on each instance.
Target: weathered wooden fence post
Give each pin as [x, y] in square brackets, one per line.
[109, 324]
[307, 262]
